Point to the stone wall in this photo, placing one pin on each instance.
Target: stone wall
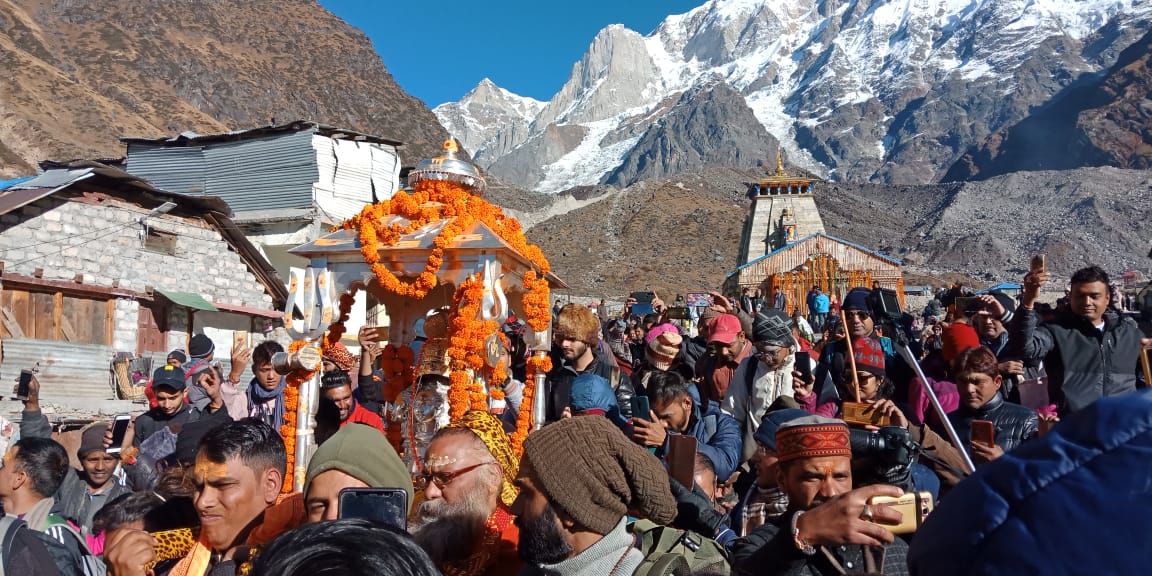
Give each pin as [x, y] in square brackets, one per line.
[765, 226]
[64, 236]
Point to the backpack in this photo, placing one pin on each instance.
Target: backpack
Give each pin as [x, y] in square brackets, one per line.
[43, 548]
[672, 552]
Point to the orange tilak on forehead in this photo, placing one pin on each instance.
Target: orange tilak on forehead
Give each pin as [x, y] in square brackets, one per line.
[206, 470]
[826, 470]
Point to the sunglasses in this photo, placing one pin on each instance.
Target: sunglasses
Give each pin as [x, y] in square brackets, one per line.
[443, 479]
[862, 315]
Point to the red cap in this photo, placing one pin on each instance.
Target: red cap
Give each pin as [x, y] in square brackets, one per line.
[725, 328]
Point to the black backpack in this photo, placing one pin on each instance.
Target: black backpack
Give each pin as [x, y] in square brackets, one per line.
[22, 548]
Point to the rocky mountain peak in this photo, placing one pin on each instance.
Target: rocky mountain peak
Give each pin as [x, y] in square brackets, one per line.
[873, 90]
[489, 120]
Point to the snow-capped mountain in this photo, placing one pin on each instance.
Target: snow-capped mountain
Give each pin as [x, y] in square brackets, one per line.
[490, 121]
[879, 90]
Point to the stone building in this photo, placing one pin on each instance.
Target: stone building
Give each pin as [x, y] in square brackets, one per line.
[783, 211]
[94, 262]
[784, 246]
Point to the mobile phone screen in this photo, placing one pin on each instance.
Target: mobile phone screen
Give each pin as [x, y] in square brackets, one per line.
[22, 387]
[983, 432]
[804, 365]
[641, 408]
[387, 506]
[119, 430]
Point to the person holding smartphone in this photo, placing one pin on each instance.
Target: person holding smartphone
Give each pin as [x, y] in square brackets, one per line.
[978, 380]
[83, 492]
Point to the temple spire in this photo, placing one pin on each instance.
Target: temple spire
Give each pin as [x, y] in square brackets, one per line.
[780, 161]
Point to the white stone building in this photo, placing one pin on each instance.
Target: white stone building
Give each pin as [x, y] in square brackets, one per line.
[96, 261]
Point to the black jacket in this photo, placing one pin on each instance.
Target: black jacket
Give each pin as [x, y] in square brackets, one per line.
[558, 387]
[1083, 363]
[770, 550]
[1014, 423]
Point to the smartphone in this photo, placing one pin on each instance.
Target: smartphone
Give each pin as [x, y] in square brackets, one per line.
[643, 297]
[698, 299]
[862, 414]
[119, 429]
[984, 432]
[641, 408]
[1039, 262]
[240, 340]
[804, 366]
[23, 385]
[682, 459]
[914, 509]
[678, 313]
[387, 506]
[1045, 427]
[968, 305]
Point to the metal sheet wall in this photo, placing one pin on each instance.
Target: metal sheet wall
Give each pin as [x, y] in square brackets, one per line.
[68, 372]
[273, 172]
[179, 170]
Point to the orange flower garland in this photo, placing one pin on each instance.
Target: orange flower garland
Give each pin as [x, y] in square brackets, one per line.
[398, 365]
[434, 201]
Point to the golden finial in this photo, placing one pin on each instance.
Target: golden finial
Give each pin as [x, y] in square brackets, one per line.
[450, 146]
[780, 161]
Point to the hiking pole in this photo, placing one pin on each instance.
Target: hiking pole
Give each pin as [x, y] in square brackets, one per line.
[910, 358]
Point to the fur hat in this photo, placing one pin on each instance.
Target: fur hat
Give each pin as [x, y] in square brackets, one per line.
[592, 472]
[576, 322]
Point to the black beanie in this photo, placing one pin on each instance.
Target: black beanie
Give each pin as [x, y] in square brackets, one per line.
[201, 347]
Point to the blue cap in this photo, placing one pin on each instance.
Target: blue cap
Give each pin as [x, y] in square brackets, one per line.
[857, 299]
[766, 433]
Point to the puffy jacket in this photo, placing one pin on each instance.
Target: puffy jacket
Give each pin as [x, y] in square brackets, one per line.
[1083, 363]
[1014, 423]
[558, 387]
[1053, 506]
[718, 437]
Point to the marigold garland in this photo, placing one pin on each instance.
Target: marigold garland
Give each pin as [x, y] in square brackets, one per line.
[536, 365]
[442, 201]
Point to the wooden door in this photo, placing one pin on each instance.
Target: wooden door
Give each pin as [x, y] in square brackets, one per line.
[152, 334]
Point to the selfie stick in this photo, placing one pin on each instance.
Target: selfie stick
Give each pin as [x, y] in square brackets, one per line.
[910, 358]
[851, 355]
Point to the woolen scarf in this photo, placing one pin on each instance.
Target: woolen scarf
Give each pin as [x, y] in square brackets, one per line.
[258, 395]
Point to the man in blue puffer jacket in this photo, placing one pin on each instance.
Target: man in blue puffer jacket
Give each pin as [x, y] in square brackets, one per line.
[1059, 505]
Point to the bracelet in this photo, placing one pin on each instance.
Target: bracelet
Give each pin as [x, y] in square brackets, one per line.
[801, 544]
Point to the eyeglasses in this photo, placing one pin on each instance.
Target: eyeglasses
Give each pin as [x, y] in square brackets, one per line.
[443, 479]
[857, 314]
[768, 352]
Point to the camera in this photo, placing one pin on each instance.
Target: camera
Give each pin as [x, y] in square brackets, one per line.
[891, 445]
[885, 304]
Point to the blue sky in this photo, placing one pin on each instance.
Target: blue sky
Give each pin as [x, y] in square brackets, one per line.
[528, 47]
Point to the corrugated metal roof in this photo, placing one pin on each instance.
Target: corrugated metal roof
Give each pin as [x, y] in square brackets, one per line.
[185, 138]
[69, 373]
[274, 171]
[179, 170]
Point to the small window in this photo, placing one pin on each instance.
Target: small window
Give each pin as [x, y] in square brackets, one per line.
[160, 242]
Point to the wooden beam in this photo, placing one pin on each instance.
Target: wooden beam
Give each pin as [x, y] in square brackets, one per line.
[25, 282]
[57, 315]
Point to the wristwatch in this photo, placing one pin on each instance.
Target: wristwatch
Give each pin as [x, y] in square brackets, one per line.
[801, 544]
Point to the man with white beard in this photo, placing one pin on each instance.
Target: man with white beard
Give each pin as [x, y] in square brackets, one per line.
[464, 522]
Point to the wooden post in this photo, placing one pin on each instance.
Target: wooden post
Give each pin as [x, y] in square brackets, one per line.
[57, 315]
[851, 355]
[109, 321]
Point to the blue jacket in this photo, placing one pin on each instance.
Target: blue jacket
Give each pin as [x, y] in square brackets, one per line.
[821, 304]
[718, 436]
[1057, 505]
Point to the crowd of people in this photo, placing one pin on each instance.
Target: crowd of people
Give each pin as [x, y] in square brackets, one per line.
[814, 449]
